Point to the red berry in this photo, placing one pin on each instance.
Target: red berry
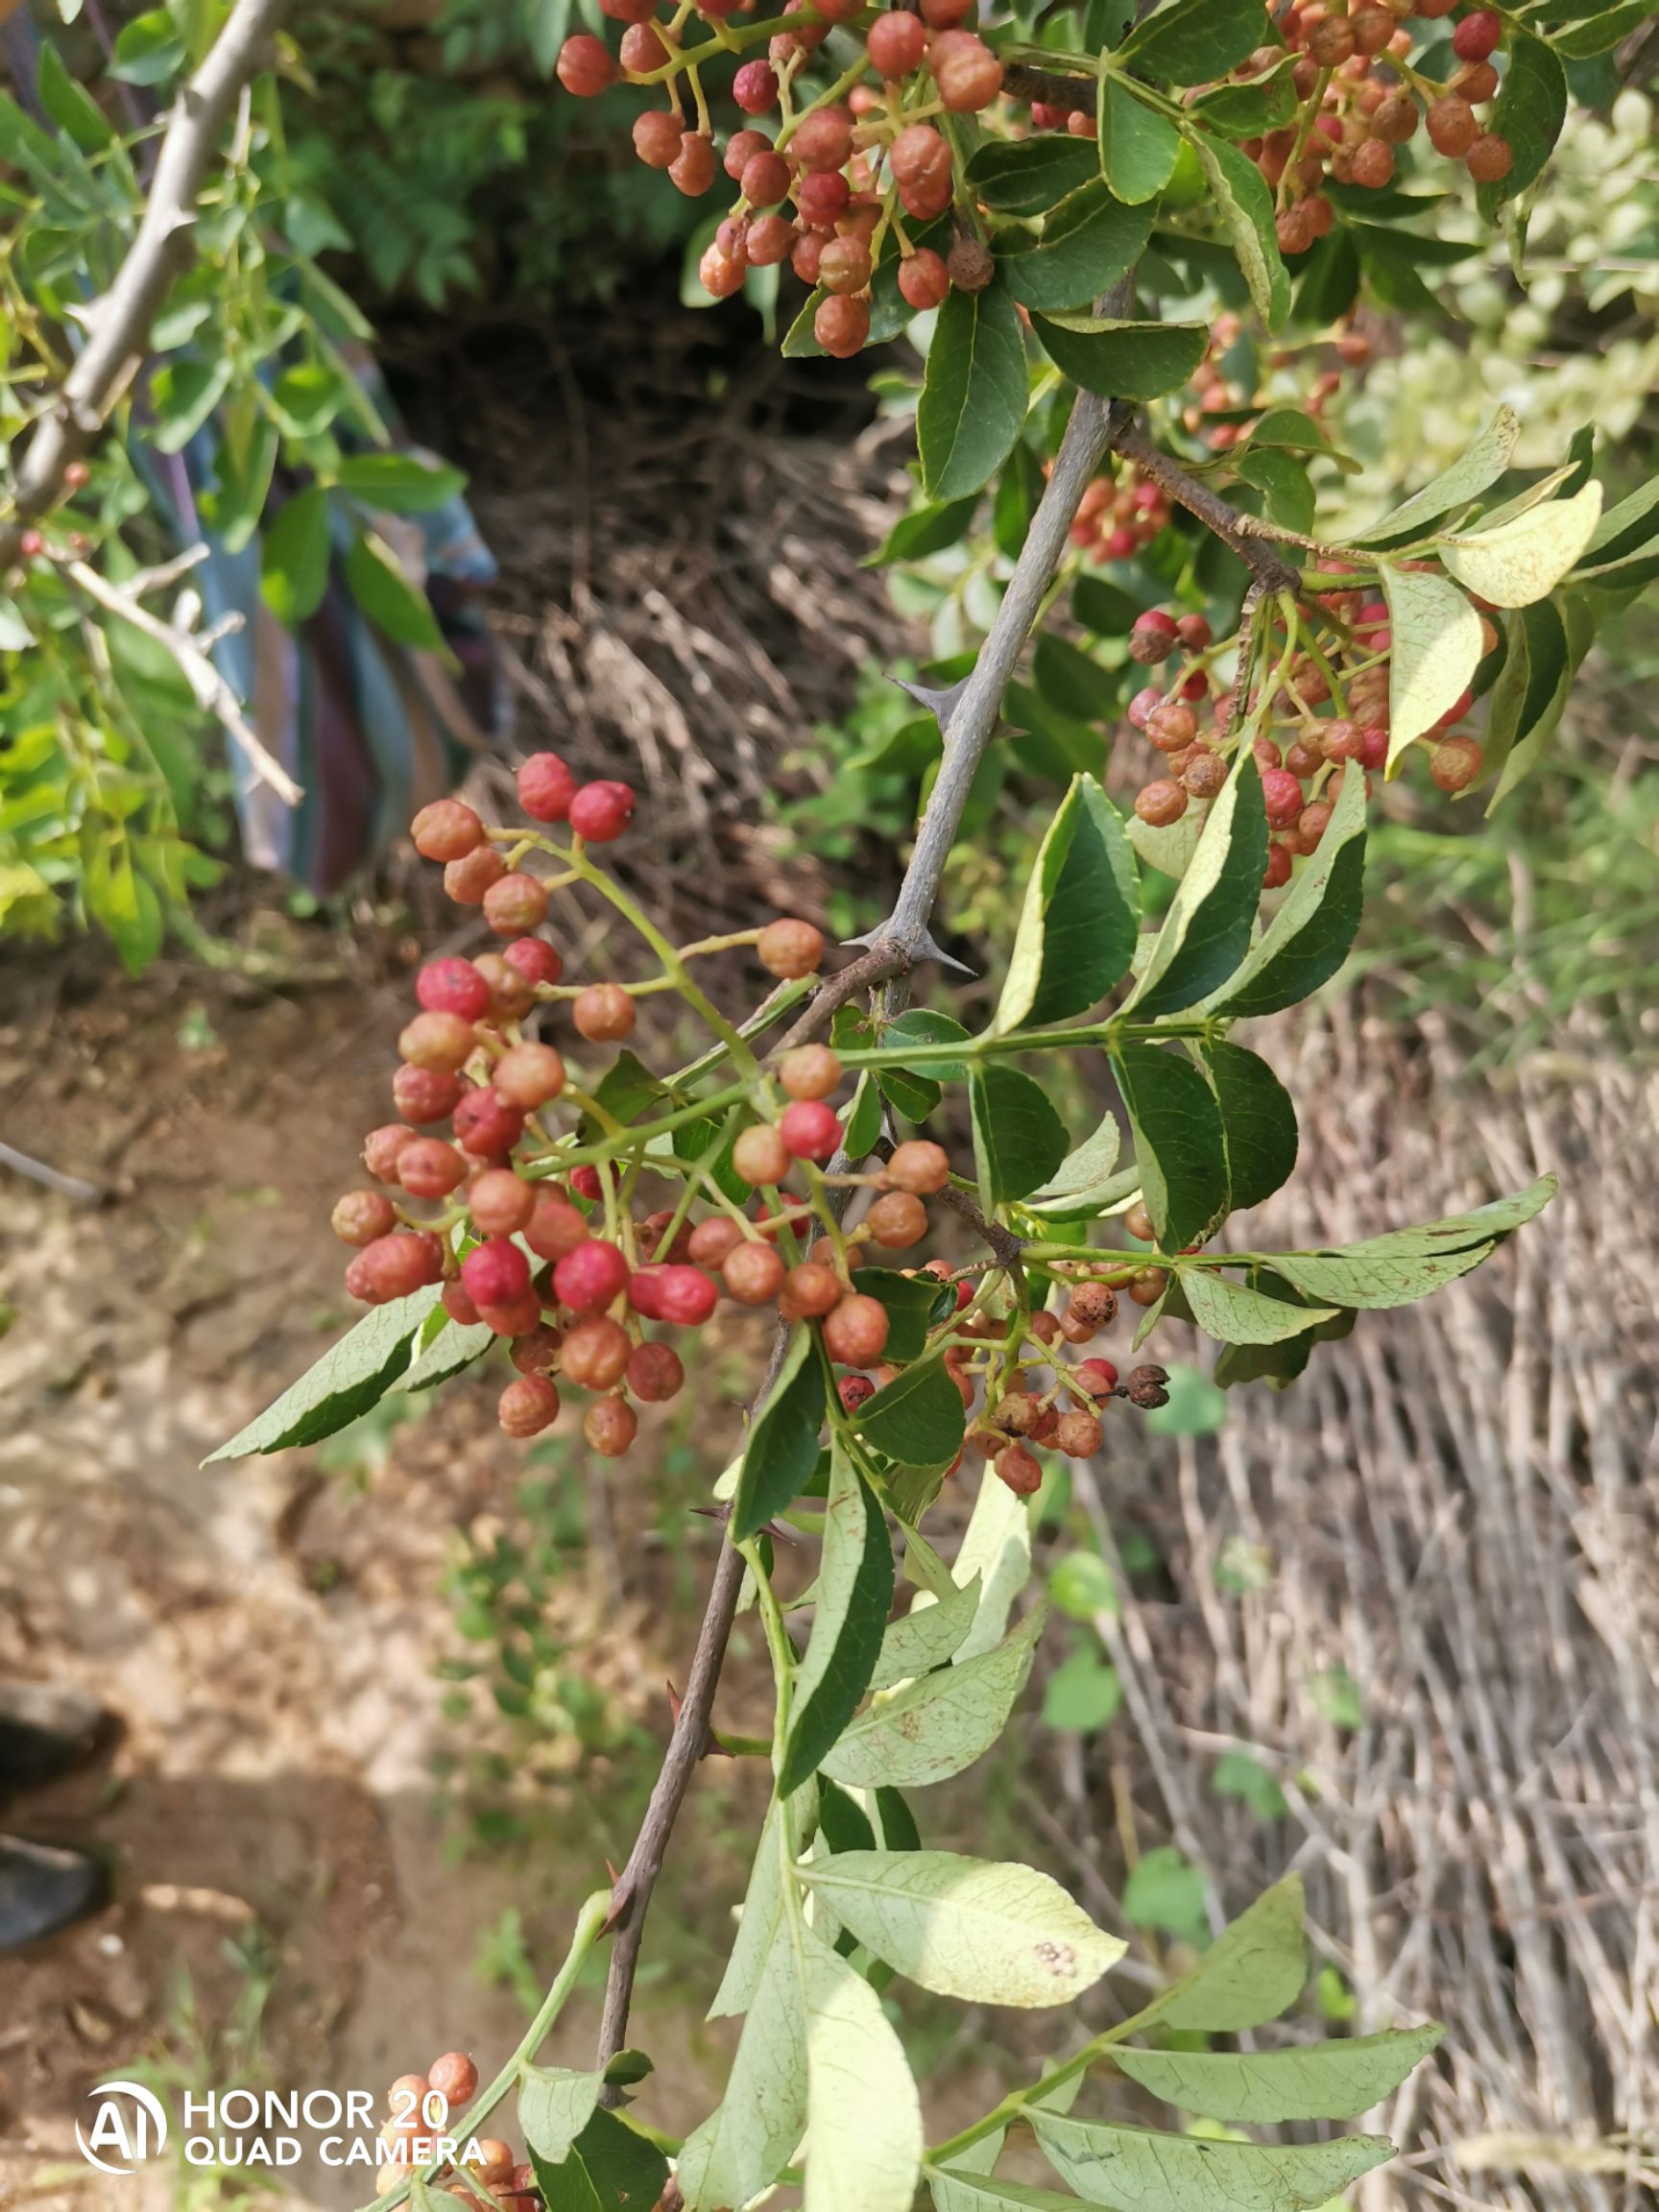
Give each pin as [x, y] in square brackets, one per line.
[610, 1426]
[1455, 764]
[584, 67]
[495, 1272]
[453, 987]
[752, 1272]
[1476, 36]
[1152, 637]
[500, 1203]
[362, 1215]
[423, 1095]
[790, 949]
[1098, 1376]
[595, 1353]
[812, 1290]
[896, 43]
[810, 1129]
[682, 1295]
[760, 1156]
[844, 265]
[528, 1075]
[1490, 159]
[822, 139]
[459, 1305]
[755, 87]
[545, 784]
[654, 1373]
[1021, 1469]
[1278, 869]
[525, 1406]
[555, 1227]
[430, 1169]
[515, 904]
[516, 1319]
[455, 2079]
[897, 1220]
[585, 1182]
[381, 1149]
[855, 1390]
[591, 1277]
[485, 1124]
[537, 1351]
[692, 168]
[841, 326]
[1160, 803]
[395, 1266]
[711, 1240]
[1451, 126]
[511, 996]
[855, 1333]
[534, 959]
[764, 181]
[924, 279]
[1282, 795]
[445, 831]
[600, 812]
[657, 141]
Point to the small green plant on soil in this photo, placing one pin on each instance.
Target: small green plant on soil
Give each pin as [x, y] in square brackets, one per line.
[1044, 186]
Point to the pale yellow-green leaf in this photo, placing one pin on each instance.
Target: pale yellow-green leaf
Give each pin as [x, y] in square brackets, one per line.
[1456, 486]
[863, 2148]
[996, 1553]
[1316, 2081]
[1138, 2171]
[1436, 650]
[1525, 558]
[970, 1928]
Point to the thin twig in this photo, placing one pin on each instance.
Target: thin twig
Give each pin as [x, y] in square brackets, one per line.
[119, 324]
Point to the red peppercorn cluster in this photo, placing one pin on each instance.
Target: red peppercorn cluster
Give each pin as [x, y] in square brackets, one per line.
[479, 2173]
[1354, 62]
[1119, 512]
[1327, 718]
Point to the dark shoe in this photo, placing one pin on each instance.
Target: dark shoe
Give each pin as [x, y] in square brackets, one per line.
[44, 1889]
[45, 1731]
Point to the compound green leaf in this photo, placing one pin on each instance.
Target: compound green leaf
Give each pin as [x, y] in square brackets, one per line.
[1312, 932]
[935, 1727]
[386, 595]
[1087, 244]
[863, 2115]
[955, 2190]
[988, 1933]
[1252, 1972]
[1077, 926]
[782, 1448]
[1258, 1120]
[1247, 209]
[1193, 42]
[1436, 653]
[1018, 1139]
[1407, 1264]
[854, 1593]
[1234, 1314]
[1523, 560]
[1324, 2081]
[1084, 1179]
[1531, 109]
[1205, 932]
[1456, 486]
[1138, 2171]
[1179, 1144]
[1123, 360]
[972, 394]
[350, 1376]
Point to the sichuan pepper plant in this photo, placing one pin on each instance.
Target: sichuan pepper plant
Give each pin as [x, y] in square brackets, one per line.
[1044, 187]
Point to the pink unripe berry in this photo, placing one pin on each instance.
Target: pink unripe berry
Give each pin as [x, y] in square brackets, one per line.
[396, 1265]
[682, 1295]
[534, 959]
[755, 87]
[555, 1227]
[423, 1095]
[545, 784]
[455, 2077]
[600, 812]
[585, 67]
[453, 987]
[430, 1169]
[1476, 36]
[896, 43]
[485, 1124]
[855, 1333]
[1282, 795]
[790, 949]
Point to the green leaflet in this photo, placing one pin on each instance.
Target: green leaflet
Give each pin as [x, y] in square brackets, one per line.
[1523, 560]
[1554, 641]
[611, 2168]
[1123, 360]
[782, 1448]
[917, 1419]
[1077, 926]
[1321, 2082]
[935, 1727]
[927, 1636]
[1258, 1121]
[350, 1376]
[1193, 42]
[1456, 486]
[1436, 654]
[1206, 933]
[1311, 935]
[1234, 1314]
[955, 2190]
[1029, 176]
[1247, 209]
[743, 2145]
[1133, 2167]
[1407, 1264]
[863, 2115]
[1087, 244]
[1179, 1144]
[854, 1592]
[1138, 147]
[385, 594]
[554, 2106]
[294, 556]
[965, 1928]
[1018, 1139]
[1252, 1972]
[1531, 109]
[973, 393]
